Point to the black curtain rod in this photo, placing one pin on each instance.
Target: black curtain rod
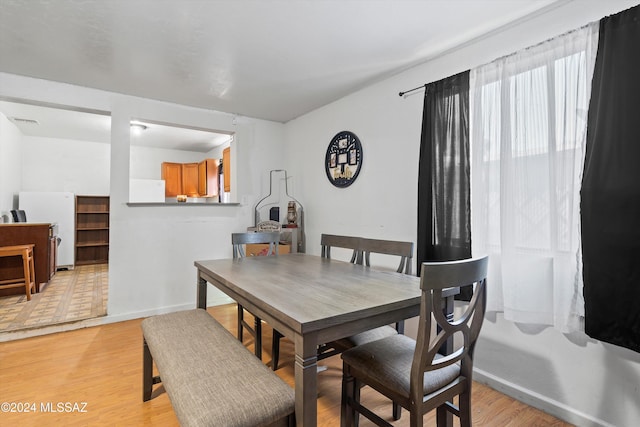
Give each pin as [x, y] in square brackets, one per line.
[411, 90]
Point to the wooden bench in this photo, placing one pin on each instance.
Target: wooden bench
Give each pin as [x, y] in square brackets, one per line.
[210, 377]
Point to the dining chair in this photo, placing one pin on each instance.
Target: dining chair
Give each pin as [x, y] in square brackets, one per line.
[389, 247]
[239, 240]
[327, 241]
[411, 372]
[386, 247]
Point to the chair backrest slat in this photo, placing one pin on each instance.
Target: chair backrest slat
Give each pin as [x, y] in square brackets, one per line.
[238, 240]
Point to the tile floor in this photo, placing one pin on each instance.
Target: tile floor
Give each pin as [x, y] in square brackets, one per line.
[72, 295]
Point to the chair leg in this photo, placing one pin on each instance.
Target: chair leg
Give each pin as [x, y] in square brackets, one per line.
[347, 413]
[464, 406]
[240, 319]
[441, 415]
[417, 420]
[275, 349]
[258, 338]
[27, 266]
[397, 411]
[357, 386]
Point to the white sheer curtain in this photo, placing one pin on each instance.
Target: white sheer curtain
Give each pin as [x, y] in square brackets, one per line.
[528, 130]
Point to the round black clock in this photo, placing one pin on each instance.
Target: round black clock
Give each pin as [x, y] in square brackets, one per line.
[344, 159]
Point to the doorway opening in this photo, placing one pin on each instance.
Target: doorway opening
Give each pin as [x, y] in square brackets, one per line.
[59, 158]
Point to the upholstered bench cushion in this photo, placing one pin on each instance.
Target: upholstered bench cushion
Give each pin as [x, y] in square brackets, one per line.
[210, 377]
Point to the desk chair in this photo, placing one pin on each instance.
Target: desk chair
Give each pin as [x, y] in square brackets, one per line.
[412, 373]
[239, 240]
[19, 215]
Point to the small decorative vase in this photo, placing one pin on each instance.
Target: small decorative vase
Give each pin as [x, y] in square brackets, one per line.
[292, 215]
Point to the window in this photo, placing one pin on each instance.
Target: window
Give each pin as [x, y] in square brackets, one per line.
[528, 129]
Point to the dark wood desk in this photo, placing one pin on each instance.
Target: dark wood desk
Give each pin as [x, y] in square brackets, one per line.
[44, 252]
[312, 300]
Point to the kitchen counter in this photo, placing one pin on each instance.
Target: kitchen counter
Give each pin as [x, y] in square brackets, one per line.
[192, 201]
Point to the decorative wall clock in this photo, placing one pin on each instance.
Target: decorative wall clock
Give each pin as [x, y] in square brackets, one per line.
[343, 160]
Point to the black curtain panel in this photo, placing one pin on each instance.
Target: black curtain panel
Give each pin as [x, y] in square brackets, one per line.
[444, 217]
[610, 195]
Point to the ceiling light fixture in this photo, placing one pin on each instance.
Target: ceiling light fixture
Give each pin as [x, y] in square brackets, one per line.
[20, 120]
[137, 128]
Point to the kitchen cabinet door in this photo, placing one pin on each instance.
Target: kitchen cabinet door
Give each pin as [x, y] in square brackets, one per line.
[172, 175]
[208, 178]
[226, 168]
[190, 179]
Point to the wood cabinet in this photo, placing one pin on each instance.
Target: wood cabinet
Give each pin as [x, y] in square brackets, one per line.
[172, 176]
[208, 178]
[226, 168]
[192, 179]
[92, 229]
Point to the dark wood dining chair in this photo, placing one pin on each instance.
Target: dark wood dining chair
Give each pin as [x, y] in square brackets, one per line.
[389, 247]
[404, 250]
[411, 372]
[239, 240]
[328, 241]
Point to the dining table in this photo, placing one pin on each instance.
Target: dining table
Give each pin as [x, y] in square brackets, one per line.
[312, 300]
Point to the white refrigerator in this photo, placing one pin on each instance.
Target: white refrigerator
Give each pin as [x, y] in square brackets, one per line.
[58, 208]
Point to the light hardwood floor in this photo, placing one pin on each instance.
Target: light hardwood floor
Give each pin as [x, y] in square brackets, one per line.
[102, 367]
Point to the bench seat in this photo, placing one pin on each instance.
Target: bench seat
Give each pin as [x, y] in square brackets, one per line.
[210, 377]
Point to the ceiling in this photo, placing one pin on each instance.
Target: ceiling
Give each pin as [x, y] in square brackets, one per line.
[83, 126]
[273, 60]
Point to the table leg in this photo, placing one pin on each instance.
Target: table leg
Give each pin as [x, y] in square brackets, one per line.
[306, 381]
[202, 293]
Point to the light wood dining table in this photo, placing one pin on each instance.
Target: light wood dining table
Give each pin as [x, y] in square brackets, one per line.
[311, 300]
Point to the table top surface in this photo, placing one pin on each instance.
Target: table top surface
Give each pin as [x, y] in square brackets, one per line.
[311, 292]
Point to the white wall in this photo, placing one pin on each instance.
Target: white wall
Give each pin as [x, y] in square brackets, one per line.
[10, 165]
[83, 167]
[53, 164]
[146, 161]
[584, 382]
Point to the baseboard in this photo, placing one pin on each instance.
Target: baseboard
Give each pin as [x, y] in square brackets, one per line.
[109, 318]
[536, 400]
